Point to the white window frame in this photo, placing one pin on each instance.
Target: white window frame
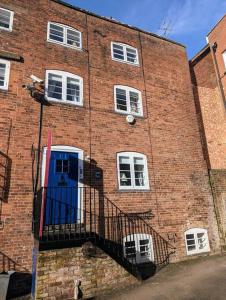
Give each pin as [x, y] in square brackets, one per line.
[131, 156]
[64, 43]
[137, 237]
[7, 73]
[125, 46]
[64, 75]
[195, 231]
[224, 58]
[128, 90]
[11, 20]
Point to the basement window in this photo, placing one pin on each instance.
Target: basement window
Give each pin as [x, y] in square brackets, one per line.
[138, 248]
[6, 19]
[4, 74]
[196, 241]
[64, 87]
[128, 100]
[124, 53]
[132, 171]
[64, 35]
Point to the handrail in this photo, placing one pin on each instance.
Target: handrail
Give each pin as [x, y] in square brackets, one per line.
[85, 213]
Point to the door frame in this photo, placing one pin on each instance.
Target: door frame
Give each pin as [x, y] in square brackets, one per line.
[70, 149]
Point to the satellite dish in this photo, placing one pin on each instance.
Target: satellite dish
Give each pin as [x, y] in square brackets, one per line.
[130, 119]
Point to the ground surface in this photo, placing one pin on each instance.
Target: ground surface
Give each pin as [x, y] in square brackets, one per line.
[203, 278]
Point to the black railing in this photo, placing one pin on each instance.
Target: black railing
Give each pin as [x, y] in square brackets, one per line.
[85, 214]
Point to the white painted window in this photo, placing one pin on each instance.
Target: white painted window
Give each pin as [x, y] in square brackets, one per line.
[64, 87]
[138, 248]
[196, 241]
[132, 171]
[128, 100]
[6, 19]
[124, 53]
[64, 35]
[224, 58]
[4, 74]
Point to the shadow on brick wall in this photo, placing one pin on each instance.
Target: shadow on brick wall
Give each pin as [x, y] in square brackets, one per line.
[20, 279]
[5, 176]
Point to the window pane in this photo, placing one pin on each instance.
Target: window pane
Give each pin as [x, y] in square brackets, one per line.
[55, 86]
[144, 242]
[125, 171]
[139, 171]
[190, 242]
[134, 102]
[144, 248]
[200, 235]
[130, 249]
[56, 33]
[190, 248]
[73, 38]
[118, 52]
[130, 244]
[121, 99]
[5, 19]
[189, 236]
[131, 55]
[201, 240]
[59, 166]
[2, 74]
[66, 166]
[73, 89]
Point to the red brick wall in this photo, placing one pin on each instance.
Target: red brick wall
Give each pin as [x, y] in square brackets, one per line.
[218, 35]
[211, 115]
[168, 133]
[208, 96]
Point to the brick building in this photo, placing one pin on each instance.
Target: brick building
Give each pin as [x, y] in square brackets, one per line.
[126, 149]
[209, 82]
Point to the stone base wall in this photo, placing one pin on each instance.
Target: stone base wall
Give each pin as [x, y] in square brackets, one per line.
[218, 183]
[57, 271]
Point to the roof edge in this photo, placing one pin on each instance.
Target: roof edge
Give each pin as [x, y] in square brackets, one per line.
[203, 51]
[216, 25]
[116, 22]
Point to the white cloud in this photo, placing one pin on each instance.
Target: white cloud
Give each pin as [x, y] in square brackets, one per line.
[191, 15]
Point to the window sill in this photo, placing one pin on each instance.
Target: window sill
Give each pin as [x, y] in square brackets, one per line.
[5, 90]
[5, 29]
[125, 62]
[134, 190]
[64, 45]
[198, 253]
[64, 102]
[128, 113]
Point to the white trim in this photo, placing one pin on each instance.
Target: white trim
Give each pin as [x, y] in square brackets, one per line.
[224, 58]
[7, 73]
[137, 237]
[80, 152]
[10, 22]
[64, 43]
[64, 75]
[131, 156]
[128, 90]
[125, 47]
[195, 231]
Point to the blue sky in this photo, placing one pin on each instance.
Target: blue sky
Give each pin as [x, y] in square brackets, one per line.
[189, 20]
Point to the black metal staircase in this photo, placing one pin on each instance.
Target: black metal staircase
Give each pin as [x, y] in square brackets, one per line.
[73, 216]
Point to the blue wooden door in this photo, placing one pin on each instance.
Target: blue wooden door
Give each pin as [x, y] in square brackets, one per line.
[62, 191]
